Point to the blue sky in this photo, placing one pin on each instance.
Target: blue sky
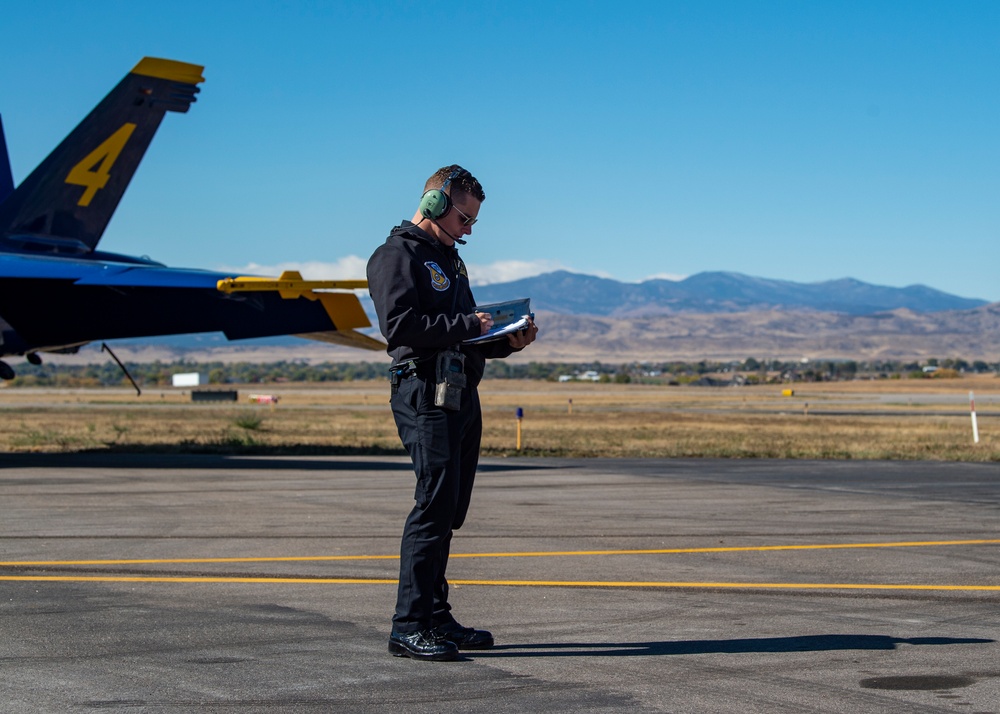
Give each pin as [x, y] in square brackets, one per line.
[804, 141]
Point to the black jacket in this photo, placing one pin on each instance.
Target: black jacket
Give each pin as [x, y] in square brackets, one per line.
[424, 301]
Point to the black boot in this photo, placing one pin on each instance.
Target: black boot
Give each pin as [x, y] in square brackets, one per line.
[423, 644]
[466, 638]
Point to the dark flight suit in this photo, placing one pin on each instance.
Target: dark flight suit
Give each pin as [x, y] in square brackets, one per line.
[425, 305]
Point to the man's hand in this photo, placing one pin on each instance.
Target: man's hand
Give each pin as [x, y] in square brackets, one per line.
[485, 322]
[520, 340]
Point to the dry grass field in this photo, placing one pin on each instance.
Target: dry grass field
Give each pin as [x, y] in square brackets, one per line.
[887, 419]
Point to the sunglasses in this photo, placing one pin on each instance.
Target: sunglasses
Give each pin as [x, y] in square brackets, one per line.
[466, 220]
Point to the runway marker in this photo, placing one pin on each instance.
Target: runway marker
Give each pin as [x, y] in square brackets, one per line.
[975, 426]
[514, 583]
[526, 554]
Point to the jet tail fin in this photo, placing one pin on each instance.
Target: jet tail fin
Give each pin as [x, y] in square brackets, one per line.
[67, 202]
[6, 177]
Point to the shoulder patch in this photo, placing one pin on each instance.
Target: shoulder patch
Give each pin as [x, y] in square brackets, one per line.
[439, 281]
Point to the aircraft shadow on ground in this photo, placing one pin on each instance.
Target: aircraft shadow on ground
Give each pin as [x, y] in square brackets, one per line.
[802, 643]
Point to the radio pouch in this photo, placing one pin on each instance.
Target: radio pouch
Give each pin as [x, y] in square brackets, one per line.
[450, 380]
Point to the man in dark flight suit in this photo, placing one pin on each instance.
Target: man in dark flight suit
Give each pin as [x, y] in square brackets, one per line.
[425, 307]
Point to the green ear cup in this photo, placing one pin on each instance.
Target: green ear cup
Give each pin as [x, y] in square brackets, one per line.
[434, 204]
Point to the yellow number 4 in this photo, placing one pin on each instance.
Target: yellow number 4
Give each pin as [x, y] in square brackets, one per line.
[94, 171]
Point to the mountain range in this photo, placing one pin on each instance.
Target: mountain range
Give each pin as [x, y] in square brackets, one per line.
[568, 293]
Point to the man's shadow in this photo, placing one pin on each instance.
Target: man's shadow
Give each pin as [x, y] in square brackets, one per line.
[802, 643]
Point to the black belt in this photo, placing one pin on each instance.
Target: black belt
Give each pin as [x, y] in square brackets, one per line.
[410, 368]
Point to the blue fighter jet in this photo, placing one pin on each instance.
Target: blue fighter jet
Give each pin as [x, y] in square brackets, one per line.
[58, 292]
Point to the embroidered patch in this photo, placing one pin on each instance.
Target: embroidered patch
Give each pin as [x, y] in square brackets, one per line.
[439, 281]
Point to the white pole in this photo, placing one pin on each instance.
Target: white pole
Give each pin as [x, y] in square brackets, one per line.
[975, 426]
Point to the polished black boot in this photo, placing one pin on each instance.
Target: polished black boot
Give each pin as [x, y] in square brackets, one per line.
[423, 644]
[466, 638]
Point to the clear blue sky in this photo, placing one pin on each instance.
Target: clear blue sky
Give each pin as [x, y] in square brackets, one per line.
[803, 141]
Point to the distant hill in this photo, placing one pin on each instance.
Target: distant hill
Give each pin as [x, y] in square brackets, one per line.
[778, 334]
[715, 292]
[772, 334]
[716, 316]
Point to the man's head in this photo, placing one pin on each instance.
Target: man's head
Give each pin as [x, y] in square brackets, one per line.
[460, 181]
[452, 198]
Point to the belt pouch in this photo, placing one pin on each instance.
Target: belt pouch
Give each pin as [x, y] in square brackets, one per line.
[450, 380]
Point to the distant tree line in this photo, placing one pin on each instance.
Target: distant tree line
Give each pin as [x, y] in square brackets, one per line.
[160, 374]
[750, 370]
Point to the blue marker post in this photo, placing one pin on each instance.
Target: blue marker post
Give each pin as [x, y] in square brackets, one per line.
[520, 416]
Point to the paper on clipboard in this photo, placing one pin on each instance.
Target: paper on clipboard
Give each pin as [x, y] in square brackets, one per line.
[508, 317]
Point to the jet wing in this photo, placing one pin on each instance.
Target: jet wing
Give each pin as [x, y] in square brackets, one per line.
[57, 291]
[50, 304]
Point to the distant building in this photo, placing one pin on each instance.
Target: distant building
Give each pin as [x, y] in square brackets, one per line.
[189, 379]
[588, 376]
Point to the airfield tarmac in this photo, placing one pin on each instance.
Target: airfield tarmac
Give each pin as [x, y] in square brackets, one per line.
[258, 584]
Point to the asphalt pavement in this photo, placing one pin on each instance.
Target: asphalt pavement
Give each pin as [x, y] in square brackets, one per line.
[151, 583]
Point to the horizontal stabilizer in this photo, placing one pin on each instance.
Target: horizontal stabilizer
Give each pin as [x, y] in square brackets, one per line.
[344, 308]
[289, 284]
[347, 338]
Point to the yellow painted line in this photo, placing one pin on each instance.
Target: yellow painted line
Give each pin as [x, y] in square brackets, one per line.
[521, 583]
[193, 579]
[526, 554]
[175, 561]
[786, 586]
[730, 549]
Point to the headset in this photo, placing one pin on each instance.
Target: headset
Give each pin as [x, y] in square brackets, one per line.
[435, 203]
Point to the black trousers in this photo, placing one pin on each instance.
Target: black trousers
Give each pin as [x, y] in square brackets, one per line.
[444, 448]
